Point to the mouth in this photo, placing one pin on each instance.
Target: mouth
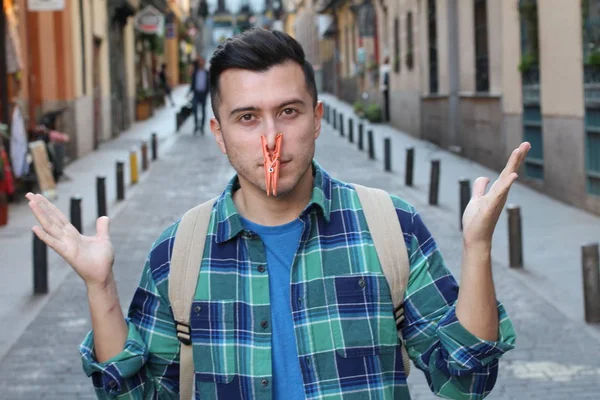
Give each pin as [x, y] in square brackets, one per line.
[281, 164]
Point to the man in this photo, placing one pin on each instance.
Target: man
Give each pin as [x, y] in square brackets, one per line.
[265, 321]
[164, 83]
[199, 88]
[384, 74]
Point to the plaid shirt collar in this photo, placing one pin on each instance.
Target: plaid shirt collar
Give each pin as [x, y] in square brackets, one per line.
[229, 222]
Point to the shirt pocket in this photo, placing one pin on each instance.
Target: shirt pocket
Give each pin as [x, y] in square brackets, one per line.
[214, 341]
[361, 315]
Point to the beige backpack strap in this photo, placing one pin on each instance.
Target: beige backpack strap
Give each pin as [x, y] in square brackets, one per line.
[388, 239]
[183, 278]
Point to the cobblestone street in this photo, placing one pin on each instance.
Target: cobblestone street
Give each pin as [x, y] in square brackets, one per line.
[555, 358]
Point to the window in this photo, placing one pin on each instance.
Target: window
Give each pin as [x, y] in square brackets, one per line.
[396, 45]
[409, 41]
[482, 77]
[433, 63]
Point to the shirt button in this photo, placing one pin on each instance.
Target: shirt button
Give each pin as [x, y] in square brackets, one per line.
[362, 283]
[197, 309]
[112, 384]
[264, 324]
[299, 302]
[261, 268]
[264, 383]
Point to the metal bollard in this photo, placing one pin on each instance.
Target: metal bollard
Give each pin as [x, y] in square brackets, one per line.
[40, 266]
[371, 145]
[360, 137]
[465, 196]
[515, 237]
[120, 180]
[144, 156]
[177, 121]
[351, 130]
[101, 195]
[410, 166]
[434, 182]
[334, 119]
[590, 263]
[154, 146]
[341, 125]
[133, 167]
[387, 159]
[326, 112]
[75, 211]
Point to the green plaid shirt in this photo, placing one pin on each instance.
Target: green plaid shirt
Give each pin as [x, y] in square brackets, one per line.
[341, 306]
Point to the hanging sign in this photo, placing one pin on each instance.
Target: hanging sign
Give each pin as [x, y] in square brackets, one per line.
[45, 5]
[150, 20]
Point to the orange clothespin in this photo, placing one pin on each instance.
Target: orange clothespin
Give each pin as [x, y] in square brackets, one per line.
[272, 163]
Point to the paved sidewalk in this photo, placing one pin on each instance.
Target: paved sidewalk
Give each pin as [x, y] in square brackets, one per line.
[18, 305]
[555, 358]
[553, 232]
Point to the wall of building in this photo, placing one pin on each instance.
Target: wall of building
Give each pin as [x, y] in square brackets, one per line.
[562, 100]
[405, 84]
[99, 31]
[130, 73]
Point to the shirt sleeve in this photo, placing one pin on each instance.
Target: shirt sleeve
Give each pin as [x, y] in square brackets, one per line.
[456, 363]
[148, 366]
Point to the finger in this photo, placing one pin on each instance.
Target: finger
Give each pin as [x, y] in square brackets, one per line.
[53, 212]
[512, 164]
[43, 219]
[479, 186]
[504, 185]
[520, 153]
[55, 244]
[102, 227]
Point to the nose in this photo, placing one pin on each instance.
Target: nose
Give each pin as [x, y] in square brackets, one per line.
[271, 133]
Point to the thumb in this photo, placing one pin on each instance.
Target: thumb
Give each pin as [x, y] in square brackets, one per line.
[102, 225]
[479, 186]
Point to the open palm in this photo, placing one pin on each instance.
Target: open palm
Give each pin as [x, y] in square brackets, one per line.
[91, 257]
[482, 213]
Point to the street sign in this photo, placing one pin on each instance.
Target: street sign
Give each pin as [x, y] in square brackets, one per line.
[45, 5]
[150, 20]
[170, 31]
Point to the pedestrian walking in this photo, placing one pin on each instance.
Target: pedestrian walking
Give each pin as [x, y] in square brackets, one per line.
[199, 89]
[164, 83]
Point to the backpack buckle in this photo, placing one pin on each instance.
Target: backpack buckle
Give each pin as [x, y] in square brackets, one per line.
[183, 333]
[399, 315]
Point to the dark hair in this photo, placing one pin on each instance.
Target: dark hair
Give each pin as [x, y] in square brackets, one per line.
[258, 50]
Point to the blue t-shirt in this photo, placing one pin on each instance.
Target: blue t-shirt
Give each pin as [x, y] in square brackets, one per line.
[281, 243]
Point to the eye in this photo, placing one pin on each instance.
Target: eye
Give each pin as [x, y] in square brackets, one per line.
[246, 117]
[289, 112]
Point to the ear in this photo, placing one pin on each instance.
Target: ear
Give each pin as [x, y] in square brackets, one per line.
[215, 128]
[318, 118]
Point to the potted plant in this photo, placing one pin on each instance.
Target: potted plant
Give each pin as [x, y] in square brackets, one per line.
[373, 113]
[359, 110]
[527, 62]
[143, 105]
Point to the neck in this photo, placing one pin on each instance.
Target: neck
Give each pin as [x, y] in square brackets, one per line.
[254, 204]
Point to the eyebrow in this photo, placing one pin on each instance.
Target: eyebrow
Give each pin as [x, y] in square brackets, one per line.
[252, 108]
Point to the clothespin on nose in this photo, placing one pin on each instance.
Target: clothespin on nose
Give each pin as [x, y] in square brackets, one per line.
[272, 162]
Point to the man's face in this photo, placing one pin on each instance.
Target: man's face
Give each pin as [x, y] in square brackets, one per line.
[267, 103]
[200, 62]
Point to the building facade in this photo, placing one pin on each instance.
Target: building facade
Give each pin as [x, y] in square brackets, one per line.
[480, 76]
